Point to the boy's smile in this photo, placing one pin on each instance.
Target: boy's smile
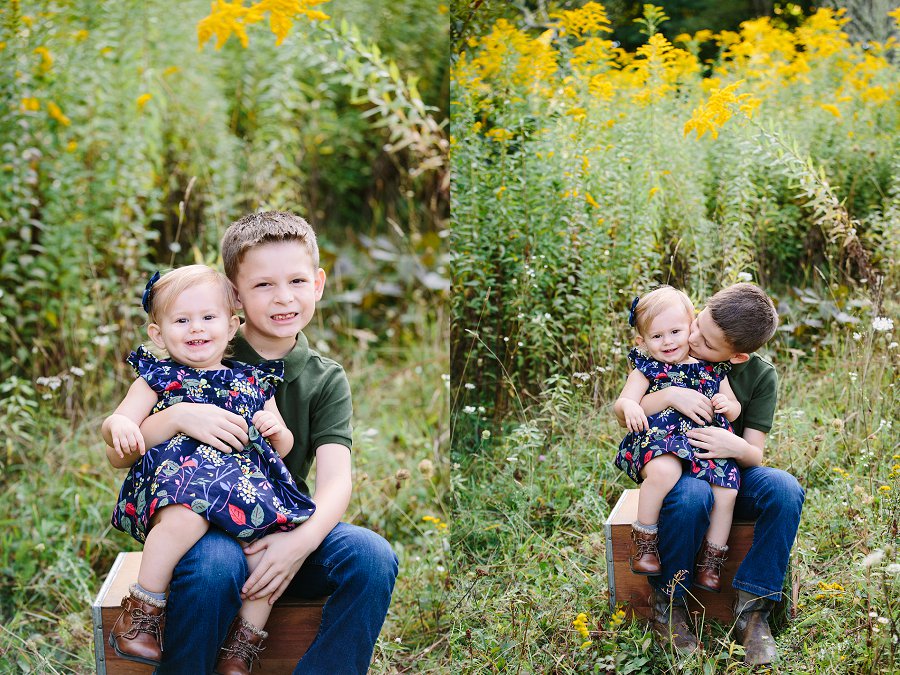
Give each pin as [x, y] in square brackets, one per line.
[278, 288]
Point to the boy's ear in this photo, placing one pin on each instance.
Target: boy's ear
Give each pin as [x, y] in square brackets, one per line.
[740, 357]
[320, 283]
[237, 296]
[155, 334]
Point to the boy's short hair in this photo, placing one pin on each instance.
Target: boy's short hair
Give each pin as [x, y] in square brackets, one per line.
[657, 301]
[746, 316]
[264, 228]
[175, 282]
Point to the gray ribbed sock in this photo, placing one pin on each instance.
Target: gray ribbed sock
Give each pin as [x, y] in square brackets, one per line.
[159, 597]
[645, 529]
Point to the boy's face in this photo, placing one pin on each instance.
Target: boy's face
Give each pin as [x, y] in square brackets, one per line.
[708, 342]
[278, 288]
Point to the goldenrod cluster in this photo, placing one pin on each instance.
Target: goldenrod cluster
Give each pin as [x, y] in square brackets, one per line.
[227, 18]
[580, 624]
[438, 523]
[834, 591]
[718, 109]
[591, 18]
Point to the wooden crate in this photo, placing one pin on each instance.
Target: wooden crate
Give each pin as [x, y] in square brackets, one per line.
[633, 590]
[292, 625]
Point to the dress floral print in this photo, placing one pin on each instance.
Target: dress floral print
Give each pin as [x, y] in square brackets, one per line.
[247, 493]
[668, 427]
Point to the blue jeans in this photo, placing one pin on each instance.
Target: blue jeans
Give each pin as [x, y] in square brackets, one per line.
[353, 565]
[771, 497]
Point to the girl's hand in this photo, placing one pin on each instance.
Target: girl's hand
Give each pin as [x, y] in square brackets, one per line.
[635, 419]
[125, 435]
[283, 555]
[268, 424]
[720, 403]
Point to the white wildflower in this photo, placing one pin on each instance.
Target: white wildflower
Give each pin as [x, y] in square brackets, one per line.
[76, 371]
[857, 336]
[882, 324]
[469, 386]
[469, 410]
[744, 276]
[873, 558]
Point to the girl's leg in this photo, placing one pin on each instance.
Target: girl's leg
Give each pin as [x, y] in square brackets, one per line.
[255, 611]
[174, 530]
[246, 635]
[721, 516]
[660, 475]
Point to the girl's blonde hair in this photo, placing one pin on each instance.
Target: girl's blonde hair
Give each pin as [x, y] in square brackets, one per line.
[175, 282]
[655, 302]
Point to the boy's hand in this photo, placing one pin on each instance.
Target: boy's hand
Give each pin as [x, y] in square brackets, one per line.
[691, 404]
[635, 419]
[268, 424]
[214, 426]
[283, 555]
[720, 403]
[125, 435]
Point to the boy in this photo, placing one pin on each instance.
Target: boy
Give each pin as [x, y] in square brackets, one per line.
[273, 261]
[736, 322]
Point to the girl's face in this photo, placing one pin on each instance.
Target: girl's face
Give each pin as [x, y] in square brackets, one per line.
[666, 338]
[196, 328]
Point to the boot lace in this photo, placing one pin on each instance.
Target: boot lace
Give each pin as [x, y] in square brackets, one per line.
[711, 561]
[141, 622]
[644, 546]
[240, 648]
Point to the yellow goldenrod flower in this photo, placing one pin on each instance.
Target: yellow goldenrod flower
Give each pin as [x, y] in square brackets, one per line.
[885, 488]
[499, 135]
[2, 46]
[57, 114]
[71, 146]
[443, 9]
[81, 35]
[27, 20]
[590, 18]
[142, 100]
[653, 190]
[227, 18]
[31, 104]
[171, 70]
[46, 59]
[590, 200]
[500, 190]
[106, 50]
[833, 109]
[711, 115]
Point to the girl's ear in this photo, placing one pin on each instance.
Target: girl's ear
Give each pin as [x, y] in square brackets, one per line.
[639, 341]
[320, 283]
[233, 324]
[155, 333]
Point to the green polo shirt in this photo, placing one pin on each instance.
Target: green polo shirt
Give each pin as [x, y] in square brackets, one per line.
[314, 401]
[755, 385]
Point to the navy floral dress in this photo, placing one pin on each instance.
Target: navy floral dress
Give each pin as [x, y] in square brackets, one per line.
[668, 427]
[247, 493]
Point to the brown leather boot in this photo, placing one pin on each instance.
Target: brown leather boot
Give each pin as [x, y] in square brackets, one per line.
[137, 633]
[751, 627]
[241, 648]
[708, 574]
[644, 553]
[669, 623]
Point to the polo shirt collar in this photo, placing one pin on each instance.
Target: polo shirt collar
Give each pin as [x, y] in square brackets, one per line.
[294, 361]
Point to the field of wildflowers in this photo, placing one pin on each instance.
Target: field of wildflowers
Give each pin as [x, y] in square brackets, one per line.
[582, 174]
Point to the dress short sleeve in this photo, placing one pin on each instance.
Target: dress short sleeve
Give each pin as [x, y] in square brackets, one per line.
[269, 374]
[649, 367]
[156, 373]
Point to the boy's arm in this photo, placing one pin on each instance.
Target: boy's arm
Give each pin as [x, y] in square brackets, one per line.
[208, 423]
[285, 552]
[689, 402]
[124, 442]
[719, 443]
[627, 407]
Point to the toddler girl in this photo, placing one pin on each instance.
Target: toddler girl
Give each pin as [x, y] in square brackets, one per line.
[657, 451]
[176, 490]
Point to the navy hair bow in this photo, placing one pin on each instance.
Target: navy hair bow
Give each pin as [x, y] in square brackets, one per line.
[631, 320]
[148, 289]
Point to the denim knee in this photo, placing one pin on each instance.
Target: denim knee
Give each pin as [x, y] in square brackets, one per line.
[781, 489]
[218, 558]
[366, 557]
[690, 495]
